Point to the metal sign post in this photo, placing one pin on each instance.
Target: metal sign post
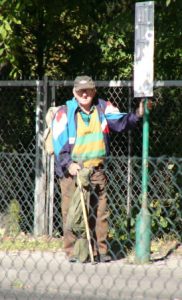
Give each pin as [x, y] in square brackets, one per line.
[143, 88]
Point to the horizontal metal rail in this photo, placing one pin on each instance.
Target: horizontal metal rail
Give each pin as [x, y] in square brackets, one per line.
[99, 83]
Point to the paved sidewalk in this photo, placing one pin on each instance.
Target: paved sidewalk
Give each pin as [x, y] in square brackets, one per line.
[46, 275]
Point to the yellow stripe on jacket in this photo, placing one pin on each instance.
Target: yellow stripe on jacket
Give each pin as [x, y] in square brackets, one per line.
[89, 146]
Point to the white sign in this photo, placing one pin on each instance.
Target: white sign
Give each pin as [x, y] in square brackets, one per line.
[144, 49]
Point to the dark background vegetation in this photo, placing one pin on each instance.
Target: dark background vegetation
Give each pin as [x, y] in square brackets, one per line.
[64, 38]
[61, 39]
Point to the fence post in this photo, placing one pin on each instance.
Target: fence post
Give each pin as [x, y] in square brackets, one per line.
[50, 178]
[129, 179]
[40, 169]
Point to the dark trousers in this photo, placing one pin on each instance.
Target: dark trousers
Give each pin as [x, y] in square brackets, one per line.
[98, 213]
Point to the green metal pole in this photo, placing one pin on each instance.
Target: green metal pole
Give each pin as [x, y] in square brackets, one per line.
[145, 155]
[143, 221]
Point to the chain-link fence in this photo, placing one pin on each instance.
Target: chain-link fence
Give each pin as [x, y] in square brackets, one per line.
[30, 200]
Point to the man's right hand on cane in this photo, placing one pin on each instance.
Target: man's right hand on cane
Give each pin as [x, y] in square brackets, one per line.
[73, 168]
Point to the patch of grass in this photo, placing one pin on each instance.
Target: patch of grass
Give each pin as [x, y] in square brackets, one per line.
[28, 242]
[165, 246]
[160, 249]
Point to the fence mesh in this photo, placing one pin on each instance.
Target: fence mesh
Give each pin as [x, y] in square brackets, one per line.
[34, 267]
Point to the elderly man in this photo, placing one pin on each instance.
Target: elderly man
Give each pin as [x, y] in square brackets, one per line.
[81, 131]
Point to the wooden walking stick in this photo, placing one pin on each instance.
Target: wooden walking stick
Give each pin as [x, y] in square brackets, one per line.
[85, 219]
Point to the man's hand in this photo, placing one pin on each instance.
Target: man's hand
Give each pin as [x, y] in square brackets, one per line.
[140, 109]
[73, 168]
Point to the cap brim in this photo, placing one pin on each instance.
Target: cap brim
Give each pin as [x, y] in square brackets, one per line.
[84, 87]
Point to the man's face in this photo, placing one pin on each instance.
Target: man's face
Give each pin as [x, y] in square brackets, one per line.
[85, 97]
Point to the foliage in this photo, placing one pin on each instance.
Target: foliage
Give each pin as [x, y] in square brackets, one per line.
[166, 220]
[63, 38]
[165, 209]
[165, 128]
[168, 23]
[17, 110]
[13, 218]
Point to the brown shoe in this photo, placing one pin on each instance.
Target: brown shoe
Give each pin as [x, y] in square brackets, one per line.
[102, 258]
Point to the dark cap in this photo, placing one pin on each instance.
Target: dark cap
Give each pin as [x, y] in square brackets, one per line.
[83, 82]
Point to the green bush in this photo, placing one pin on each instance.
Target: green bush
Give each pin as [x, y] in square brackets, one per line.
[13, 219]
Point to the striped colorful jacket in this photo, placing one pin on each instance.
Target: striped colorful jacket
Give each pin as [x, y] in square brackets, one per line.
[65, 123]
